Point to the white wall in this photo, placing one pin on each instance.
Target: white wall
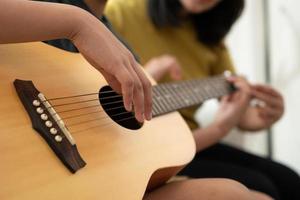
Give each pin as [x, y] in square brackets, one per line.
[246, 43]
[285, 23]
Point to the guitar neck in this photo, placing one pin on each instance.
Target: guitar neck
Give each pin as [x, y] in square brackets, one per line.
[169, 97]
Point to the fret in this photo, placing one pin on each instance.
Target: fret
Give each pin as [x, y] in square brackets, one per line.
[197, 90]
[156, 102]
[215, 88]
[212, 88]
[188, 100]
[173, 96]
[155, 109]
[203, 88]
[223, 86]
[163, 99]
[178, 94]
[181, 95]
[220, 88]
[174, 101]
[195, 94]
[169, 96]
[189, 93]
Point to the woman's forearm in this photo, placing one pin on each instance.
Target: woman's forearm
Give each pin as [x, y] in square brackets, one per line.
[25, 21]
[208, 136]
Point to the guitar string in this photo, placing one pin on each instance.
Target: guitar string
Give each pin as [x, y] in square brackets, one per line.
[80, 115]
[91, 112]
[104, 104]
[84, 101]
[101, 125]
[75, 96]
[81, 108]
[92, 127]
[100, 118]
[221, 77]
[71, 126]
[73, 103]
[69, 117]
[80, 95]
[100, 111]
[97, 119]
[86, 107]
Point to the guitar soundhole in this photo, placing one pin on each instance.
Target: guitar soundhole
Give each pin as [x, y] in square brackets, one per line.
[113, 105]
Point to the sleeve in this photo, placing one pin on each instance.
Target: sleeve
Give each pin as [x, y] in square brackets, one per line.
[223, 62]
[114, 12]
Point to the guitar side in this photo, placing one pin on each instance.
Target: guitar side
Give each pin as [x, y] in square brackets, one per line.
[120, 162]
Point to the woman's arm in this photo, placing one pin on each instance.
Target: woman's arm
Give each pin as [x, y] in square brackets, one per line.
[263, 115]
[163, 65]
[231, 109]
[24, 21]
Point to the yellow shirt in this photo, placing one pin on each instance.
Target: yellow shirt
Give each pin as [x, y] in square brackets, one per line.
[130, 19]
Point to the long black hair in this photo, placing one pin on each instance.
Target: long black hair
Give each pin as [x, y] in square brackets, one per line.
[211, 26]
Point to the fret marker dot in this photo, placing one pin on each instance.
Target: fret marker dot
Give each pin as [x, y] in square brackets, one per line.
[227, 74]
[187, 101]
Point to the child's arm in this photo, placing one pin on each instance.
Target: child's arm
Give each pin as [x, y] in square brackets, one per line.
[24, 21]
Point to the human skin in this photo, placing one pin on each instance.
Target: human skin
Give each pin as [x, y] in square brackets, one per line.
[39, 21]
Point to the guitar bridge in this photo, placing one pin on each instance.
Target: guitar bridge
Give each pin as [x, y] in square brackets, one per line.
[49, 125]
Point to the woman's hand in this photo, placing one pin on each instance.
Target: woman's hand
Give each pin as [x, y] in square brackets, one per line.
[233, 107]
[164, 65]
[265, 114]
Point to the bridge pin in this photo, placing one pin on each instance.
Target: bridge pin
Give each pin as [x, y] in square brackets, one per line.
[48, 124]
[40, 110]
[53, 131]
[44, 117]
[36, 103]
[58, 138]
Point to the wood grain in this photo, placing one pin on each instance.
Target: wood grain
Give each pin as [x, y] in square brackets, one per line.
[120, 162]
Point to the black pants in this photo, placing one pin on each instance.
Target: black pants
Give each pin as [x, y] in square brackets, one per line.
[257, 173]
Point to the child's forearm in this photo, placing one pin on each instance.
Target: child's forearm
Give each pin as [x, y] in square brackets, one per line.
[25, 21]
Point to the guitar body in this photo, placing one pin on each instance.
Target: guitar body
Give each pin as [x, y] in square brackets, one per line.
[120, 162]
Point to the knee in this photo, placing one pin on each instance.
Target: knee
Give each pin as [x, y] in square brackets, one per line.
[236, 191]
[226, 189]
[232, 190]
[261, 196]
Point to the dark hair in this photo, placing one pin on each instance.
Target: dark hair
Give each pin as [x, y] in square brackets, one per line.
[211, 26]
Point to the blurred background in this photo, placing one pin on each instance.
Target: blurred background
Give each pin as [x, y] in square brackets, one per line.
[265, 46]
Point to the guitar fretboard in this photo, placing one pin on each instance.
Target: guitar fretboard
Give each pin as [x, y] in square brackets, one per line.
[169, 97]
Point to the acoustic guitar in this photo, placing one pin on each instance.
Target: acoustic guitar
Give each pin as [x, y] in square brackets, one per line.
[64, 134]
